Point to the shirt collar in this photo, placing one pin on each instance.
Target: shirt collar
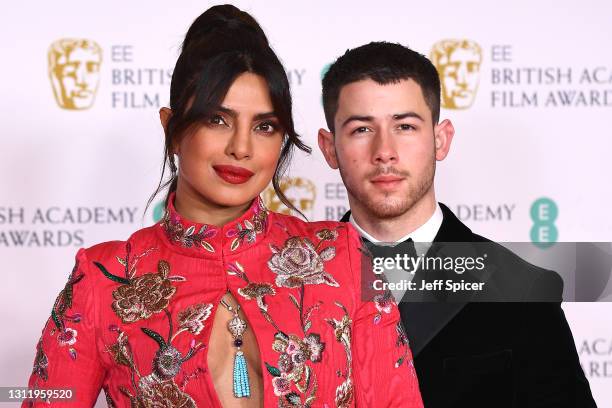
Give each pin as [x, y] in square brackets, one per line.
[425, 234]
[241, 233]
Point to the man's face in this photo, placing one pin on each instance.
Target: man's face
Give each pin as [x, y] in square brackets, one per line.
[384, 145]
[78, 74]
[460, 74]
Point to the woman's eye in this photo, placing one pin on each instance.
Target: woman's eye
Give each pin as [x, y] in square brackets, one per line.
[266, 127]
[217, 120]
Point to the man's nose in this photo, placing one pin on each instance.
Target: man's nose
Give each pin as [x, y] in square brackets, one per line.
[240, 145]
[383, 147]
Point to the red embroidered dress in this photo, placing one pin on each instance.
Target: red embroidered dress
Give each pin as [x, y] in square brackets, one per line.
[135, 317]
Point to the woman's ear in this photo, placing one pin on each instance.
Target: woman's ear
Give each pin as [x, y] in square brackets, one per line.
[164, 117]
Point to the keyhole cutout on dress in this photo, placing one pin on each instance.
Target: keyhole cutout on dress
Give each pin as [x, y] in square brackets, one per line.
[221, 354]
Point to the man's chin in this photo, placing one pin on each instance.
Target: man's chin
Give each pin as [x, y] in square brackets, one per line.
[387, 207]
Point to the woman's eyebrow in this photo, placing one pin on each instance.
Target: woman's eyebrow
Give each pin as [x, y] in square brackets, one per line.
[234, 114]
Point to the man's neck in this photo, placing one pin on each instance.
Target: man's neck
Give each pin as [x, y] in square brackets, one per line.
[393, 229]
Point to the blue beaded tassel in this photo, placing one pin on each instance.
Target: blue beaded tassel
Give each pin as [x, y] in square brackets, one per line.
[241, 376]
[237, 326]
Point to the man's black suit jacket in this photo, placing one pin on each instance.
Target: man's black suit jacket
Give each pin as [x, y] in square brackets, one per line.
[497, 355]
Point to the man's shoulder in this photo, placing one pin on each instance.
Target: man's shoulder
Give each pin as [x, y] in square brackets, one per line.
[514, 272]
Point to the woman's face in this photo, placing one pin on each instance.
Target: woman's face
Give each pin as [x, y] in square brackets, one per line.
[232, 157]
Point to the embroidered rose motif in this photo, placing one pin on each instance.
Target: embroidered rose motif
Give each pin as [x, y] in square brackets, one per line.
[158, 389]
[315, 346]
[167, 362]
[299, 263]
[144, 295]
[161, 395]
[282, 385]
[285, 365]
[193, 317]
[298, 350]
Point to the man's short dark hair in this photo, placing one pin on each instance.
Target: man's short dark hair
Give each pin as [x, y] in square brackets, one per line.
[384, 63]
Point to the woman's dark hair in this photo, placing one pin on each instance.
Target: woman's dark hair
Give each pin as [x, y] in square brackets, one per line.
[221, 44]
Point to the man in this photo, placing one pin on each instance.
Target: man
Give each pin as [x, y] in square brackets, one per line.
[382, 106]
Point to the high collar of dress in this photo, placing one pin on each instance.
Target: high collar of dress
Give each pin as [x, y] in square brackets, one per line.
[236, 235]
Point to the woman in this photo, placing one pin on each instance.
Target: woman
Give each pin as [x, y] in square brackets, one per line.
[224, 303]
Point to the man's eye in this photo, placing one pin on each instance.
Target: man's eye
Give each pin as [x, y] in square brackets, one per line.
[361, 129]
[405, 126]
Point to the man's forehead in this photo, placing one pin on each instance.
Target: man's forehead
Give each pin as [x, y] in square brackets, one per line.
[367, 97]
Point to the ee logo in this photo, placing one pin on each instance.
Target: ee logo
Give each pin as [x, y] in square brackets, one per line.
[544, 212]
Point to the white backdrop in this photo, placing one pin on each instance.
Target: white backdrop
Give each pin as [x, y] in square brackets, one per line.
[72, 178]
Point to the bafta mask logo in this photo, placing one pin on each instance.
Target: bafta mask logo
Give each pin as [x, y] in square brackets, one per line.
[74, 70]
[301, 193]
[458, 64]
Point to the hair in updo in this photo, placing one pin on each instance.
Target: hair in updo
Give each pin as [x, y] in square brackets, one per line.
[221, 44]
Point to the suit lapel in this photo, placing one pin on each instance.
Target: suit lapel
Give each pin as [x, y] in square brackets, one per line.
[424, 318]
[346, 216]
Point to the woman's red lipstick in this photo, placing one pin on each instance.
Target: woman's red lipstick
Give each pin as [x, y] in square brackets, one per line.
[233, 174]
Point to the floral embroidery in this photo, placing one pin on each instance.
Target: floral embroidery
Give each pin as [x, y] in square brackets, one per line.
[298, 262]
[294, 351]
[402, 341]
[161, 394]
[67, 336]
[384, 303]
[139, 298]
[41, 362]
[158, 389]
[250, 229]
[193, 317]
[252, 290]
[342, 330]
[176, 232]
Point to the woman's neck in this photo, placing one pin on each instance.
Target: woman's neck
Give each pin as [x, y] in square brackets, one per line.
[196, 208]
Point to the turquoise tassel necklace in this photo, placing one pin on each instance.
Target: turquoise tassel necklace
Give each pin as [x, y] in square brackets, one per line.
[236, 327]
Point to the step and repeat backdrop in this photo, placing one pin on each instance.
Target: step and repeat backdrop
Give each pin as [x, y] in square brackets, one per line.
[528, 86]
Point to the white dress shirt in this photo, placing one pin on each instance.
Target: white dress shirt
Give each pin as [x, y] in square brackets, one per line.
[423, 236]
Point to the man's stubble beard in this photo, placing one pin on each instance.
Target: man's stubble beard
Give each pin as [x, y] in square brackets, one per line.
[386, 208]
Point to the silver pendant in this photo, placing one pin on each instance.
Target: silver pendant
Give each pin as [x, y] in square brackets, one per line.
[236, 326]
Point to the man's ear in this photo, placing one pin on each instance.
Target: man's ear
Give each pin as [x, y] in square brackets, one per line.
[443, 136]
[328, 148]
[164, 117]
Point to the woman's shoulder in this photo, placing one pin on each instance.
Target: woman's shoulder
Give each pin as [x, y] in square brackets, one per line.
[143, 238]
[340, 232]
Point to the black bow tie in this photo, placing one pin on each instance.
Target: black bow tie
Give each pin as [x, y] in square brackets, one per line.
[388, 251]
